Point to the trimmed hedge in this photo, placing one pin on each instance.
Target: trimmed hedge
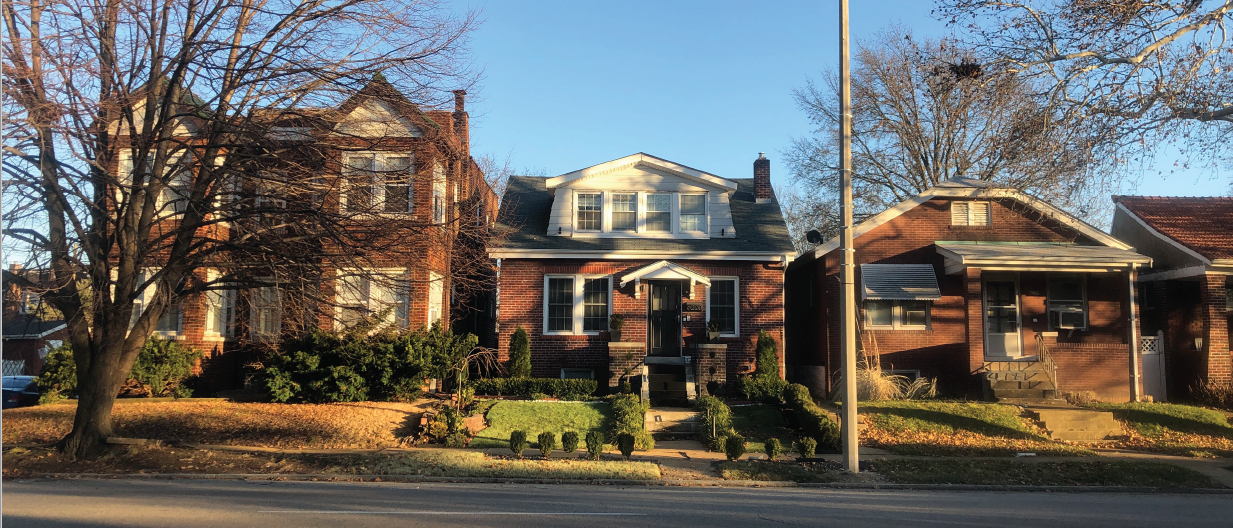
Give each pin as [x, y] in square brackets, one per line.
[568, 389]
[629, 418]
[811, 419]
[768, 388]
[716, 416]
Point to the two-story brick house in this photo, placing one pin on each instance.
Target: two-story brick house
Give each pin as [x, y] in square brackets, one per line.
[989, 290]
[376, 159]
[666, 246]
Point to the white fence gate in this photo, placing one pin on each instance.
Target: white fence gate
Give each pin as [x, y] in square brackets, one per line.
[1152, 352]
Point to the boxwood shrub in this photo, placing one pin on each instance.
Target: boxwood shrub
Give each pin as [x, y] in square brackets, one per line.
[629, 417]
[811, 419]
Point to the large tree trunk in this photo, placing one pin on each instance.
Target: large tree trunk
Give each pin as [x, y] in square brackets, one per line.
[96, 392]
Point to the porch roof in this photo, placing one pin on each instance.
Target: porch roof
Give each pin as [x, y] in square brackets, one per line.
[1017, 256]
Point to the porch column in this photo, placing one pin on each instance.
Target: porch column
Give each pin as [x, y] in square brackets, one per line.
[1215, 327]
[975, 319]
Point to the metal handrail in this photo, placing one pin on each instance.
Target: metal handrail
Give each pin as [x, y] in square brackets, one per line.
[1043, 356]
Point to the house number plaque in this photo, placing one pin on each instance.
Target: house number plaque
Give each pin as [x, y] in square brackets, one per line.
[694, 307]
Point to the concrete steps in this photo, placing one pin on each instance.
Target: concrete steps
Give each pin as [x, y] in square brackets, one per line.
[1019, 381]
[1076, 425]
[673, 421]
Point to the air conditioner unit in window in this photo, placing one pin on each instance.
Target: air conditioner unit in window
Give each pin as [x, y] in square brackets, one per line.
[1068, 318]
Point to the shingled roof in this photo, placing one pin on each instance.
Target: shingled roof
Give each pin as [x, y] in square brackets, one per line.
[1203, 224]
[526, 205]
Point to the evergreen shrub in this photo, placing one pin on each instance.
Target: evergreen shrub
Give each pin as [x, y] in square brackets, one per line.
[518, 442]
[547, 443]
[595, 444]
[811, 419]
[519, 354]
[734, 446]
[569, 441]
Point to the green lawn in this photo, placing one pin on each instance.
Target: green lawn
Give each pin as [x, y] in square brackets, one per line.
[1006, 472]
[939, 428]
[1175, 429]
[758, 423]
[461, 463]
[537, 417]
[758, 470]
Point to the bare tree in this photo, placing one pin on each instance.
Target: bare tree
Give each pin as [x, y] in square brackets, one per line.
[182, 147]
[925, 112]
[1150, 71]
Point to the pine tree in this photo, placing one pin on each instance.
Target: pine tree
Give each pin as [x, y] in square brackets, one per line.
[519, 354]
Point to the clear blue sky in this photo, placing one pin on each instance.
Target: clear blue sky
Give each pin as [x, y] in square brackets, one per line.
[706, 84]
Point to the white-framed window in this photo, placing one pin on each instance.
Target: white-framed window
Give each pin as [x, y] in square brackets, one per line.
[173, 198]
[897, 315]
[220, 313]
[723, 305]
[659, 212]
[438, 194]
[590, 211]
[436, 297]
[625, 212]
[378, 182]
[267, 311]
[693, 212]
[359, 294]
[1066, 301]
[171, 323]
[975, 214]
[577, 304]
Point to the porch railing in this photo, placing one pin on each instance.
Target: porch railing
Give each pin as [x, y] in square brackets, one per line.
[1046, 359]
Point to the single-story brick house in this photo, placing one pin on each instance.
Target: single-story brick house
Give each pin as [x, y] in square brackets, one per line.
[1187, 295]
[991, 291]
[667, 246]
[27, 341]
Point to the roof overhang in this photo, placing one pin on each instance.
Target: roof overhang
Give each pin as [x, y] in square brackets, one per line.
[995, 256]
[664, 270]
[899, 282]
[589, 254]
[647, 161]
[37, 335]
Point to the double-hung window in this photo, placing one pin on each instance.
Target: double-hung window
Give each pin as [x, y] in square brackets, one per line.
[1067, 302]
[438, 194]
[360, 294]
[693, 212]
[722, 307]
[590, 212]
[624, 212]
[659, 212]
[897, 315]
[378, 182]
[267, 311]
[576, 304]
[220, 313]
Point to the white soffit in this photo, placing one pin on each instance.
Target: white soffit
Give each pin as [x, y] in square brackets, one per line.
[664, 270]
[899, 282]
[1011, 256]
[646, 161]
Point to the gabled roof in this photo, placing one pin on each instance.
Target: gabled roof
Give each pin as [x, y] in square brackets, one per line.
[527, 204]
[977, 189]
[646, 161]
[665, 270]
[30, 328]
[1202, 225]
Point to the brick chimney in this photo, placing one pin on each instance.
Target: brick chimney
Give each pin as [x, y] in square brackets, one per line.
[460, 115]
[762, 179]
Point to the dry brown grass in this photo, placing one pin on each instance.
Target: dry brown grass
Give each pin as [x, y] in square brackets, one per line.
[327, 426]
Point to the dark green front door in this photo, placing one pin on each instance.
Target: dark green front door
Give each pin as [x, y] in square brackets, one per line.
[665, 320]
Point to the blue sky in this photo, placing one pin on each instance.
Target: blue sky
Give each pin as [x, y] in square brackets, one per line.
[706, 84]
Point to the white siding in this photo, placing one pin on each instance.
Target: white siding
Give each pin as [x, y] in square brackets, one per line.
[562, 216]
[721, 216]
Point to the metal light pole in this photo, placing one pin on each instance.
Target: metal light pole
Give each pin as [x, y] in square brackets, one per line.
[847, 268]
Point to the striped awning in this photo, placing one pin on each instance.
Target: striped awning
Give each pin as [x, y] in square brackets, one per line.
[899, 282]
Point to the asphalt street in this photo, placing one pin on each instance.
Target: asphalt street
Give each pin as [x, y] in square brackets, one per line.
[189, 503]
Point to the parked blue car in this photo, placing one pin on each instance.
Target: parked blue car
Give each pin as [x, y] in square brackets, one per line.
[20, 391]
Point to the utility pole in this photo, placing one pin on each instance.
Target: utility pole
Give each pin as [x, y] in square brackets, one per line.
[847, 268]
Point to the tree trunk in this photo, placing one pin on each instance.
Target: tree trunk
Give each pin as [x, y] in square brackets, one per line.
[96, 392]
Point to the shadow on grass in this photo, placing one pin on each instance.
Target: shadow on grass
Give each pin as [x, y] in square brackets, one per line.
[931, 420]
[1152, 419]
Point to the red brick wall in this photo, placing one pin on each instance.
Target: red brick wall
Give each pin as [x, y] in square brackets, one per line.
[952, 349]
[521, 301]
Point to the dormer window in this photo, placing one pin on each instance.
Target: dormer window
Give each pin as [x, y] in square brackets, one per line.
[624, 212]
[659, 212]
[693, 212]
[590, 212]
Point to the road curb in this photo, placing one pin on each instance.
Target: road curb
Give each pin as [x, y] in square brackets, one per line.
[308, 477]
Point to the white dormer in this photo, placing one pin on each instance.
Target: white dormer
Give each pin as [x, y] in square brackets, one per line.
[641, 196]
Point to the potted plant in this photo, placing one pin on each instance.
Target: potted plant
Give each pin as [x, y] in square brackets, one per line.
[615, 322]
[712, 330]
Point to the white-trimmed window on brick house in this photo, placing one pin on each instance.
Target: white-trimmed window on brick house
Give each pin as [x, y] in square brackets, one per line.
[173, 199]
[220, 313]
[722, 305]
[1066, 301]
[378, 182]
[171, 323]
[266, 317]
[971, 214]
[659, 212]
[624, 212]
[897, 315]
[590, 211]
[436, 298]
[577, 304]
[438, 194]
[362, 294]
[693, 213]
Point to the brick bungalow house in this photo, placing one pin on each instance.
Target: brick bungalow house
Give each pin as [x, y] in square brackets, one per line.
[31, 327]
[666, 246]
[991, 291]
[1187, 295]
[375, 155]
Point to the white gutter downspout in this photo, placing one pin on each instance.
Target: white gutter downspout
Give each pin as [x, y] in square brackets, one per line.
[1135, 392]
[496, 312]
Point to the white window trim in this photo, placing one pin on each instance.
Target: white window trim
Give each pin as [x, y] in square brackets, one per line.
[253, 327]
[439, 215]
[1049, 311]
[605, 212]
[393, 275]
[378, 187]
[579, 310]
[640, 203]
[737, 301]
[438, 302]
[227, 297]
[706, 213]
[898, 317]
[125, 168]
[968, 205]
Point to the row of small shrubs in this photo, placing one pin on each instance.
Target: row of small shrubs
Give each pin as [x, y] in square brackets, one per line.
[733, 447]
[162, 369]
[565, 389]
[569, 443]
[354, 365]
[629, 421]
[811, 419]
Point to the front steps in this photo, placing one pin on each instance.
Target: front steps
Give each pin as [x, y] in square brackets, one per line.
[673, 422]
[1076, 425]
[1020, 381]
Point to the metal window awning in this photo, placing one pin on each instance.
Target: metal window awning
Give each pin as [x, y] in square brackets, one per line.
[899, 282]
[1003, 256]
